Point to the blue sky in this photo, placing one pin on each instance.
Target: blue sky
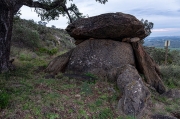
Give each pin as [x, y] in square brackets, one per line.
[165, 14]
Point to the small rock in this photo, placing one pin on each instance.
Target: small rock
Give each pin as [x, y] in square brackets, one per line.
[77, 96]
[111, 89]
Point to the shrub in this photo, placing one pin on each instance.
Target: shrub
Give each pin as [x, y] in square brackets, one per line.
[25, 57]
[4, 99]
[171, 75]
[175, 54]
[25, 36]
[50, 52]
[159, 55]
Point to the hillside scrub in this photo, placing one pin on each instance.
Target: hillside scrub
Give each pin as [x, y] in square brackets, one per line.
[158, 54]
[39, 38]
[171, 75]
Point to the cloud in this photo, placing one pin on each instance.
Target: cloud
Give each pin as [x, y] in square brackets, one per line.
[165, 30]
[153, 12]
[165, 14]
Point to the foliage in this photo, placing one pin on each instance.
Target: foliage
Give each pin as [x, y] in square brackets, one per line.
[92, 77]
[158, 55]
[17, 17]
[63, 9]
[171, 75]
[175, 54]
[4, 99]
[48, 51]
[25, 57]
[26, 36]
[147, 26]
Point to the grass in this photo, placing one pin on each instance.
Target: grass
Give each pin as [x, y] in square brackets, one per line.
[171, 76]
[52, 98]
[27, 94]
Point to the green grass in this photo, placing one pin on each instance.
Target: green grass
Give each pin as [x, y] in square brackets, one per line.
[4, 99]
[29, 95]
[26, 94]
[171, 75]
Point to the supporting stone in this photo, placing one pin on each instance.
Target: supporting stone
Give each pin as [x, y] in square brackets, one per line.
[135, 93]
[59, 63]
[147, 66]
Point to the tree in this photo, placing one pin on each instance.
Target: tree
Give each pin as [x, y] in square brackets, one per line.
[46, 9]
[147, 27]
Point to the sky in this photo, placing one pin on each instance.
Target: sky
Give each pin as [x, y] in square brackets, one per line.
[165, 14]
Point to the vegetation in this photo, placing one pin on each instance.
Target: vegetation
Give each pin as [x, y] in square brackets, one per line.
[40, 39]
[147, 26]
[158, 54]
[33, 96]
[26, 93]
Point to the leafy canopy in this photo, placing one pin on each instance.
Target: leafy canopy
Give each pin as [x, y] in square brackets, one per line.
[52, 9]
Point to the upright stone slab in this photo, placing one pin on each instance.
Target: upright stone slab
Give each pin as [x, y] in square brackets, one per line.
[147, 66]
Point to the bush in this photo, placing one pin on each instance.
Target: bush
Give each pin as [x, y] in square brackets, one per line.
[25, 57]
[159, 55]
[25, 37]
[175, 54]
[50, 52]
[4, 99]
[171, 75]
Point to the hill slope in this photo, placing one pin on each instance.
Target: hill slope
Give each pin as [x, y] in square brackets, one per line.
[29, 34]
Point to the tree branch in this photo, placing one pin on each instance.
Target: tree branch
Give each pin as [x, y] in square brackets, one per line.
[55, 4]
[66, 10]
[74, 12]
[47, 7]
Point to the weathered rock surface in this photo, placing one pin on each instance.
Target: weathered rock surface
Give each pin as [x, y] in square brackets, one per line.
[101, 57]
[107, 26]
[58, 64]
[147, 66]
[135, 93]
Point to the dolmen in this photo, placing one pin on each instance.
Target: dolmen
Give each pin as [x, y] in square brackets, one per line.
[109, 46]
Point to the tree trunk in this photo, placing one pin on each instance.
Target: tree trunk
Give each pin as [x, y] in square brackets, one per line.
[147, 66]
[6, 23]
